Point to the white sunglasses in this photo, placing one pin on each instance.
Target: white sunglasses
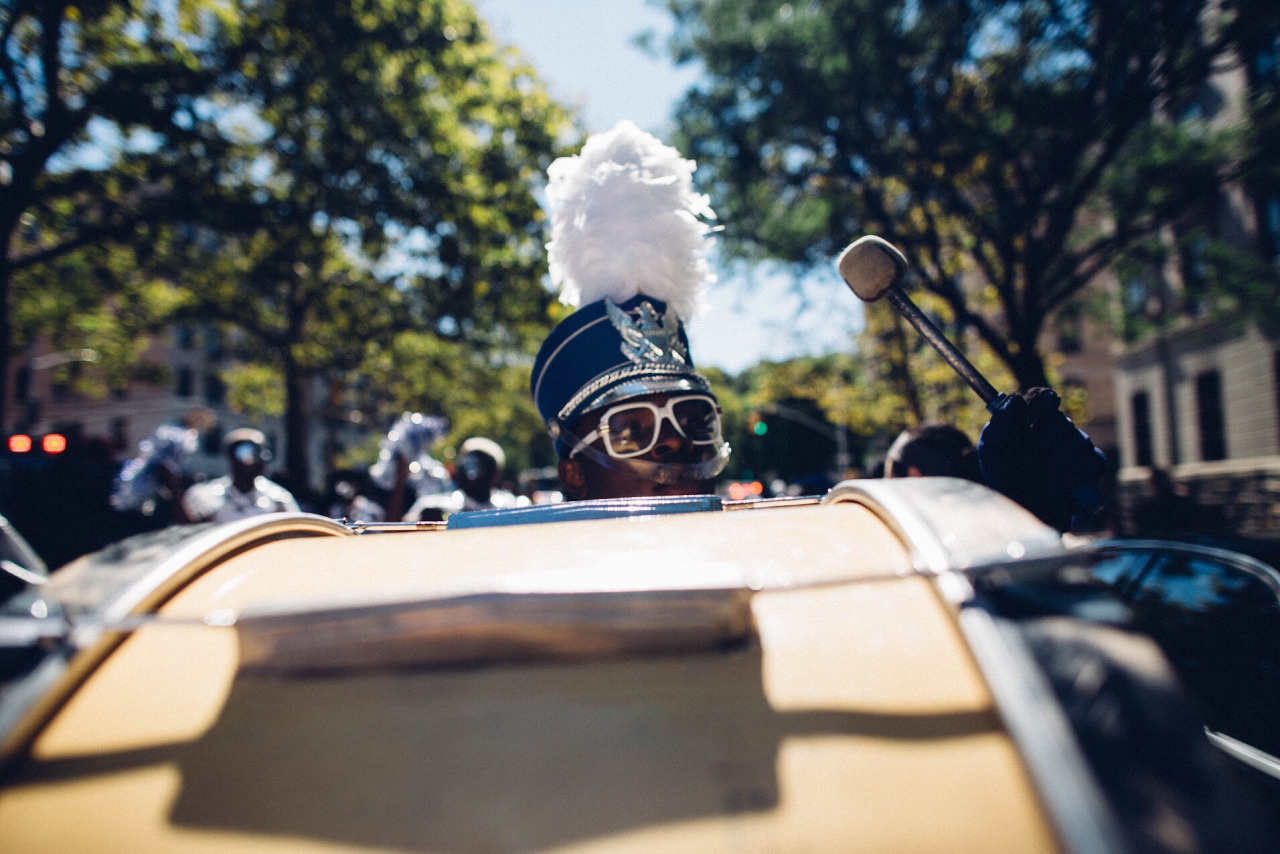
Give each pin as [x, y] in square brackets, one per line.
[631, 429]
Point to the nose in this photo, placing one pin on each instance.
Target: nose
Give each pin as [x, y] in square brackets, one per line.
[670, 442]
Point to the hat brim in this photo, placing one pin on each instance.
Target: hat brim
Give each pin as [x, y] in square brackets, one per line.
[639, 387]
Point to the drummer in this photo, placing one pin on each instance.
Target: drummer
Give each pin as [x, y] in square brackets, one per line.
[615, 381]
[244, 492]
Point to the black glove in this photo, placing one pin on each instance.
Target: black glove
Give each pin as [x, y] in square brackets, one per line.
[1033, 453]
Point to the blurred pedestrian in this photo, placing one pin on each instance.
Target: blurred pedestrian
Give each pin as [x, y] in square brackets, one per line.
[348, 500]
[476, 473]
[243, 493]
[933, 450]
[151, 482]
[405, 469]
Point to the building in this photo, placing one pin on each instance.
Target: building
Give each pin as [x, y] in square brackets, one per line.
[1198, 397]
[195, 358]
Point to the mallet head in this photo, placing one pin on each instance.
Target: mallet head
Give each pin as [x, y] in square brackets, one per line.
[870, 266]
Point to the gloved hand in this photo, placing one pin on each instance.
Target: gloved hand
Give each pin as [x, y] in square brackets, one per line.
[1034, 454]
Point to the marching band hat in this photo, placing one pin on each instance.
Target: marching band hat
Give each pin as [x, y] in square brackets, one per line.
[607, 352]
[241, 435]
[488, 447]
[628, 250]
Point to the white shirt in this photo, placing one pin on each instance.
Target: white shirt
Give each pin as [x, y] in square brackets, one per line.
[219, 501]
[359, 509]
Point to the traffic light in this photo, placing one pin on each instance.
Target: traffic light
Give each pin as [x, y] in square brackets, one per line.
[756, 424]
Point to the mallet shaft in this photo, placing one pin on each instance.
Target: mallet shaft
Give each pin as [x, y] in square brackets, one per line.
[945, 348]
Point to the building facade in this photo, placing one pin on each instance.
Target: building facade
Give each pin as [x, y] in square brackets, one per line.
[1198, 398]
[195, 359]
[1201, 403]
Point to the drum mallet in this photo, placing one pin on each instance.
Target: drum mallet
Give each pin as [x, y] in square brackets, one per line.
[873, 267]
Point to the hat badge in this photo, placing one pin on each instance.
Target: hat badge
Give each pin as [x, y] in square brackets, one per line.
[648, 338]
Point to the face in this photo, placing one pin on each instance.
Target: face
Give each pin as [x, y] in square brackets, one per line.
[474, 474]
[246, 459]
[892, 469]
[583, 477]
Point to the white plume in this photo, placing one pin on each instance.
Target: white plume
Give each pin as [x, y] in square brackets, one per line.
[625, 220]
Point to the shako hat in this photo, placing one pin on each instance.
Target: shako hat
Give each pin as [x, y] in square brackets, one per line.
[628, 245]
[241, 435]
[486, 446]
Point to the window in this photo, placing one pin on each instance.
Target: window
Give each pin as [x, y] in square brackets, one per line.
[1195, 276]
[1213, 434]
[211, 441]
[215, 390]
[64, 380]
[1271, 222]
[1140, 404]
[213, 344]
[1219, 625]
[1266, 61]
[1139, 298]
[185, 384]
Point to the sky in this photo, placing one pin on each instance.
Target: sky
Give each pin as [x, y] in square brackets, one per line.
[584, 53]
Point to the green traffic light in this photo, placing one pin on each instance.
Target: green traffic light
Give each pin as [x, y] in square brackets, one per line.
[760, 428]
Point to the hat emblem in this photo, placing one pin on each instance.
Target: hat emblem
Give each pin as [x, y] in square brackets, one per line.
[648, 338]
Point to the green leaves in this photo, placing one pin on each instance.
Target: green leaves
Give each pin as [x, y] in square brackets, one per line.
[321, 176]
[975, 136]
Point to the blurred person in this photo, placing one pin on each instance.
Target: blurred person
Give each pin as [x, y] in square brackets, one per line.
[476, 473]
[243, 493]
[933, 450]
[349, 501]
[405, 469]
[151, 482]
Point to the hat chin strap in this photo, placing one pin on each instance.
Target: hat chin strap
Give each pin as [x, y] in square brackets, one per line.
[664, 473]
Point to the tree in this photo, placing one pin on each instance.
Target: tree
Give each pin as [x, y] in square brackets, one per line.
[976, 136]
[893, 381]
[124, 82]
[334, 174]
[482, 392]
[387, 184]
[1254, 31]
[98, 300]
[904, 382]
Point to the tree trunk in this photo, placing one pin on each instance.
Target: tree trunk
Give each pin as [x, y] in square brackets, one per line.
[296, 421]
[903, 376]
[1028, 368]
